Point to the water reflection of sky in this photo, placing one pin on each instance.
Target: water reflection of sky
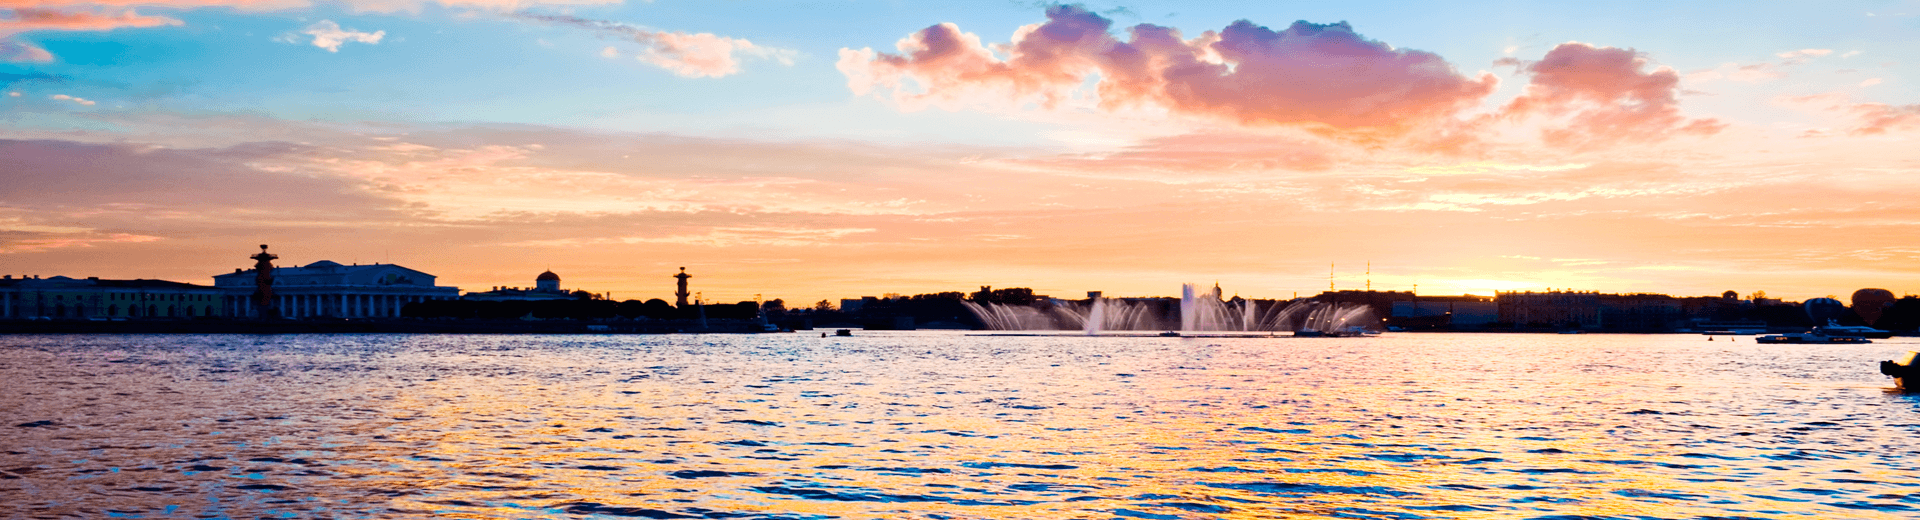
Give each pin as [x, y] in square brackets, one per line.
[943, 425]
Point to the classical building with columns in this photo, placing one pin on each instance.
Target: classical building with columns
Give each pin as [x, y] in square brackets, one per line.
[329, 289]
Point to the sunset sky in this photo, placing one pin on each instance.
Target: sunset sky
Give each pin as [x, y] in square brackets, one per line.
[828, 149]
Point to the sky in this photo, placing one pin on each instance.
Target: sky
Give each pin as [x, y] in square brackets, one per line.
[830, 149]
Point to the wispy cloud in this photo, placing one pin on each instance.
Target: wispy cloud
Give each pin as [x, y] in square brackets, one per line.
[26, 18]
[693, 55]
[1870, 118]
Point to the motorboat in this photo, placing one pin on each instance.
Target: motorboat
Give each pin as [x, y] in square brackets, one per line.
[1809, 337]
[1902, 370]
[1834, 328]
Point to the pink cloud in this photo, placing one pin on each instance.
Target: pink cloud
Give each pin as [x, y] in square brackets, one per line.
[1308, 74]
[30, 19]
[364, 6]
[1874, 118]
[1880, 118]
[27, 19]
[1604, 97]
[686, 55]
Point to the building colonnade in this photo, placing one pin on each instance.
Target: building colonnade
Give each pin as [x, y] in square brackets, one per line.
[337, 305]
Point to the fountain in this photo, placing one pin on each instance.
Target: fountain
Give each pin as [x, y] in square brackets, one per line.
[1197, 310]
[1309, 315]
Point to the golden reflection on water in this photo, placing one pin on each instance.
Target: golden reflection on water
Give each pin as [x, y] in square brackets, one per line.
[938, 425]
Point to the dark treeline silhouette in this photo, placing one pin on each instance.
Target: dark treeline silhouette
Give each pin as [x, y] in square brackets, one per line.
[1903, 315]
[1008, 296]
[932, 310]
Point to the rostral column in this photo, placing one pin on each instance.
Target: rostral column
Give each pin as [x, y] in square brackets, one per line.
[682, 293]
[263, 283]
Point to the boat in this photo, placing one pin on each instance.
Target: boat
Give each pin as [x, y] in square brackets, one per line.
[1350, 331]
[1809, 337]
[1308, 333]
[1834, 328]
[1901, 370]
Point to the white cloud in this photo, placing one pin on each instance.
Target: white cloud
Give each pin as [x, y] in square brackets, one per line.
[328, 35]
[64, 97]
[1803, 54]
[1870, 82]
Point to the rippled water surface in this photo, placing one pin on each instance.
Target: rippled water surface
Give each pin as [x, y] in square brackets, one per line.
[946, 425]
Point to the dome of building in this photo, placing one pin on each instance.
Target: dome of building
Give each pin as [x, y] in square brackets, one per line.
[323, 263]
[547, 282]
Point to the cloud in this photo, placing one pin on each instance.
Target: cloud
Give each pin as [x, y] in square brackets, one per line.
[1880, 118]
[358, 6]
[54, 174]
[27, 19]
[328, 35]
[64, 97]
[103, 15]
[1602, 96]
[687, 55]
[1198, 157]
[18, 240]
[14, 50]
[1873, 118]
[1318, 75]
[1803, 55]
[721, 236]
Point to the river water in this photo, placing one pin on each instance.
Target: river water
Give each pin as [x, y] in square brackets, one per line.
[948, 425]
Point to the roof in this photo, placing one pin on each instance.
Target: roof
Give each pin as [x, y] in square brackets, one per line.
[327, 272]
[547, 277]
[62, 281]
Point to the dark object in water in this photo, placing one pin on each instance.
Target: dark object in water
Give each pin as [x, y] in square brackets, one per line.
[1901, 371]
[1809, 337]
[843, 332]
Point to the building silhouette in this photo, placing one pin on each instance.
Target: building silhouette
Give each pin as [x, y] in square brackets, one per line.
[546, 286]
[330, 289]
[93, 298]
